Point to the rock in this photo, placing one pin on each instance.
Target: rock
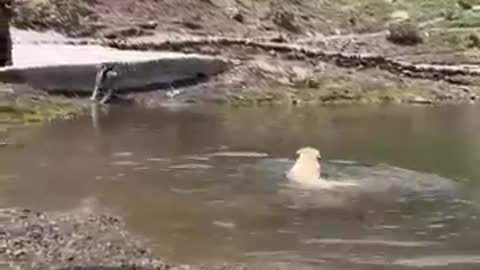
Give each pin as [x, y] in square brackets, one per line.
[473, 40]
[98, 25]
[295, 56]
[67, 240]
[465, 89]
[404, 33]
[298, 73]
[270, 69]
[319, 67]
[286, 20]
[208, 50]
[238, 17]
[125, 32]
[420, 100]
[236, 14]
[19, 253]
[149, 25]
[279, 39]
[465, 4]
[399, 15]
[192, 25]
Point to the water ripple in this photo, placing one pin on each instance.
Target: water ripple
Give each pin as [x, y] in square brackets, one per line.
[334, 241]
[438, 261]
[239, 154]
[191, 166]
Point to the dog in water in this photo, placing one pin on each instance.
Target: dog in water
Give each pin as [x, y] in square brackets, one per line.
[306, 171]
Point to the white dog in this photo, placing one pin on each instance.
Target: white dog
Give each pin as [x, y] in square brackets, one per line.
[306, 171]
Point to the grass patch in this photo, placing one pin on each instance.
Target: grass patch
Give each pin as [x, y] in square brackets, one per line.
[450, 40]
[25, 110]
[465, 19]
[374, 15]
[338, 88]
[329, 16]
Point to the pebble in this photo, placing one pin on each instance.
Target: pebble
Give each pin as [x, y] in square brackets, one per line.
[70, 239]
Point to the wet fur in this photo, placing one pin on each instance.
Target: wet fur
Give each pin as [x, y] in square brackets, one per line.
[306, 171]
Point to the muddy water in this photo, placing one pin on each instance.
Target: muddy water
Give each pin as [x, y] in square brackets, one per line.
[206, 185]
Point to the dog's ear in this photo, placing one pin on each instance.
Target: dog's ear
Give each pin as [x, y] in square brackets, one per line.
[297, 155]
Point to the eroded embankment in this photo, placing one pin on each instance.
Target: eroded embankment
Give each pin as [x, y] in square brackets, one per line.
[259, 70]
[72, 68]
[349, 60]
[278, 44]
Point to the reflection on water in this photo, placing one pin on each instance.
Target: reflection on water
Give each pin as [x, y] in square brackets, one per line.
[207, 185]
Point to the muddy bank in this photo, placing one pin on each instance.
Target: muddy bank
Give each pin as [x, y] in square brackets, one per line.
[277, 70]
[288, 65]
[21, 104]
[289, 52]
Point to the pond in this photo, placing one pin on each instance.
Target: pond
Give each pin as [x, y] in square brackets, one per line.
[205, 185]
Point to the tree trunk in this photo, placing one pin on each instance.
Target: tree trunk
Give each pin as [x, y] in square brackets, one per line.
[5, 39]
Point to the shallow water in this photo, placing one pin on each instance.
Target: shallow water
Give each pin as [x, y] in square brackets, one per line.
[206, 185]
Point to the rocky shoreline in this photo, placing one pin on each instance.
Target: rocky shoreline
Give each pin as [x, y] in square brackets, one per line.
[73, 240]
[86, 239]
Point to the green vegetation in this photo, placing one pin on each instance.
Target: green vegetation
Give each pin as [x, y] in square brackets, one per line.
[465, 19]
[366, 15]
[24, 110]
[342, 87]
[355, 87]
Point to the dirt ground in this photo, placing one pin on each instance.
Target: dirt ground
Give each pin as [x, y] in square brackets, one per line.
[448, 33]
